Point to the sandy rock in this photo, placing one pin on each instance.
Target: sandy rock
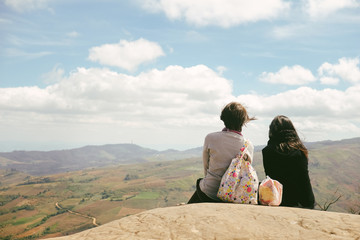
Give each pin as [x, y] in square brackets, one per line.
[227, 221]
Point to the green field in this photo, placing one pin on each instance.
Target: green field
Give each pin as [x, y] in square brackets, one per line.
[28, 204]
[104, 193]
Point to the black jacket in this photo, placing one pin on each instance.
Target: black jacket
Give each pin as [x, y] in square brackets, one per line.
[291, 170]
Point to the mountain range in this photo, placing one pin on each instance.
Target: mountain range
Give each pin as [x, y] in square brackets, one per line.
[55, 193]
[40, 163]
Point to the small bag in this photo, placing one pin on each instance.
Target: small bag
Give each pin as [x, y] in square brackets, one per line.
[270, 192]
[240, 182]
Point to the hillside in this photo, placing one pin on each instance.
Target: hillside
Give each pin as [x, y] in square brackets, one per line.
[28, 208]
[40, 163]
[44, 163]
[28, 203]
[335, 167]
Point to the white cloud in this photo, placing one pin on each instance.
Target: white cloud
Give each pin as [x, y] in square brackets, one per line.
[217, 12]
[347, 69]
[321, 8]
[329, 80]
[73, 34]
[305, 102]
[176, 105]
[125, 54]
[101, 106]
[5, 21]
[177, 93]
[287, 31]
[14, 52]
[293, 30]
[54, 76]
[27, 5]
[221, 69]
[194, 36]
[327, 114]
[42, 41]
[295, 75]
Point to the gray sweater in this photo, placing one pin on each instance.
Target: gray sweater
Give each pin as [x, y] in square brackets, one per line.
[219, 149]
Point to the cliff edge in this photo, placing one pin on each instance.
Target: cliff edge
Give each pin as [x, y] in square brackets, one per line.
[227, 221]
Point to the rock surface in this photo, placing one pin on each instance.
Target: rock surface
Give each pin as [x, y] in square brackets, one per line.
[227, 221]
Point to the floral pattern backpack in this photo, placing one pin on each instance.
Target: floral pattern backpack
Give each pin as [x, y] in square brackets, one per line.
[240, 182]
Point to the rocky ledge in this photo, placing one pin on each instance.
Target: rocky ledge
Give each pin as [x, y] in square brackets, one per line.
[227, 221]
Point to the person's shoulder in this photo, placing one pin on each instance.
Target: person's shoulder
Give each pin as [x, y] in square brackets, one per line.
[213, 134]
[248, 143]
[224, 136]
[267, 148]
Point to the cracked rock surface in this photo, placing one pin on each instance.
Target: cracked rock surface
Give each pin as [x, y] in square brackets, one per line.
[227, 221]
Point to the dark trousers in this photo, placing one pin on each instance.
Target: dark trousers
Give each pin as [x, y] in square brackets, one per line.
[199, 196]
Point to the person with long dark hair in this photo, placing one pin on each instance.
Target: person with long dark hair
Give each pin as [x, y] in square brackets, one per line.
[285, 159]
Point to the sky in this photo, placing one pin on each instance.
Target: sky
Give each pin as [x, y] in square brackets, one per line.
[157, 73]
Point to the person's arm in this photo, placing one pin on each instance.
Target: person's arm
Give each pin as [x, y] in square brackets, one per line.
[265, 162]
[307, 198]
[206, 157]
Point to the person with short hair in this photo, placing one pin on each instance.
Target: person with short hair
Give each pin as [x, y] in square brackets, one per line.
[285, 159]
[218, 151]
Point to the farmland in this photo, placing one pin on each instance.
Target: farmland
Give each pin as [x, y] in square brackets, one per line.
[33, 207]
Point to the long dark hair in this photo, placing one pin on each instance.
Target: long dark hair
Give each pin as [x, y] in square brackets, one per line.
[283, 134]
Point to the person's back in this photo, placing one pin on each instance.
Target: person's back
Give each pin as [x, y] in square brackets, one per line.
[291, 170]
[219, 149]
[285, 160]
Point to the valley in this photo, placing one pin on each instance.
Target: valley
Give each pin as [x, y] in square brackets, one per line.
[41, 206]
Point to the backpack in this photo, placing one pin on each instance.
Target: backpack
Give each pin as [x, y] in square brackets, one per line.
[240, 182]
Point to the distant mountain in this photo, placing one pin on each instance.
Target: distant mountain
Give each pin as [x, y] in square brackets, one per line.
[32, 207]
[40, 163]
[50, 162]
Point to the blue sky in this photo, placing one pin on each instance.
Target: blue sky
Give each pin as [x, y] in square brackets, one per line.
[157, 73]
